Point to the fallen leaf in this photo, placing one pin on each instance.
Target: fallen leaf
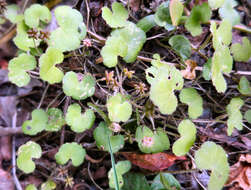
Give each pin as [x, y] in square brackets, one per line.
[240, 173]
[153, 162]
[189, 72]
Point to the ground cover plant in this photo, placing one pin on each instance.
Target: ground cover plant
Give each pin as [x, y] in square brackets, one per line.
[128, 94]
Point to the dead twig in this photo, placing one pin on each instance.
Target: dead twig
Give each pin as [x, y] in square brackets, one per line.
[4, 131]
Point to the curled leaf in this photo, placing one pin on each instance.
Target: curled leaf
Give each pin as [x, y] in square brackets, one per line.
[25, 154]
[189, 72]
[213, 157]
[72, 151]
[187, 131]
[176, 10]
[77, 121]
[181, 45]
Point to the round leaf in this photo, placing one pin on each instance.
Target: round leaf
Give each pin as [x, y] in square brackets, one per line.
[17, 69]
[36, 13]
[119, 108]
[72, 151]
[77, 121]
[25, 154]
[247, 116]
[55, 119]
[242, 52]
[228, 12]
[78, 86]
[101, 134]
[47, 63]
[37, 124]
[181, 45]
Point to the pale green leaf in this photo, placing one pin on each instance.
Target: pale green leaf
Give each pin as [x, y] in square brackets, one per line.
[77, 121]
[228, 12]
[207, 70]
[146, 23]
[200, 14]
[176, 11]
[117, 17]
[78, 86]
[215, 4]
[187, 131]
[194, 101]
[242, 52]
[181, 45]
[122, 167]
[37, 123]
[55, 119]
[247, 116]
[48, 185]
[18, 68]
[151, 142]
[101, 134]
[25, 154]
[47, 63]
[36, 13]
[70, 151]
[119, 108]
[244, 86]
[234, 115]
[213, 157]
[30, 187]
[11, 13]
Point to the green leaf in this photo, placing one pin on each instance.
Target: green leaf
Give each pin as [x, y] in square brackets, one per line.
[165, 181]
[36, 13]
[234, 115]
[11, 13]
[244, 86]
[25, 154]
[55, 119]
[162, 16]
[176, 11]
[121, 168]
[187, 131]
[207, 67]
[47, 63]
[72, 151]
[78, 86]
[69, 19]
[48, 185]
[151, 142]
[71, 31]
[77, 121]
[200, 14]
[117, 17]
[22, 40]
[30, 187]
[212, 157]
[222, 35]
[119, 108]
[135, 181]
[194, 101]
[242, 52]
[222, 62]
[18, 68]
[101, 134]
[181, 45]
[215, 4]
[37, 124]
[247, 116]
[146, 23]
[125, 42]
[228, 12]
[165, 80]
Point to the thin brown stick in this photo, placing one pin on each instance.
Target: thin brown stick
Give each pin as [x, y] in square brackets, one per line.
[4, 131]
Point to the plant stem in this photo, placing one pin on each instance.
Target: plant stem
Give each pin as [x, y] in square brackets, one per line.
[100, 112]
